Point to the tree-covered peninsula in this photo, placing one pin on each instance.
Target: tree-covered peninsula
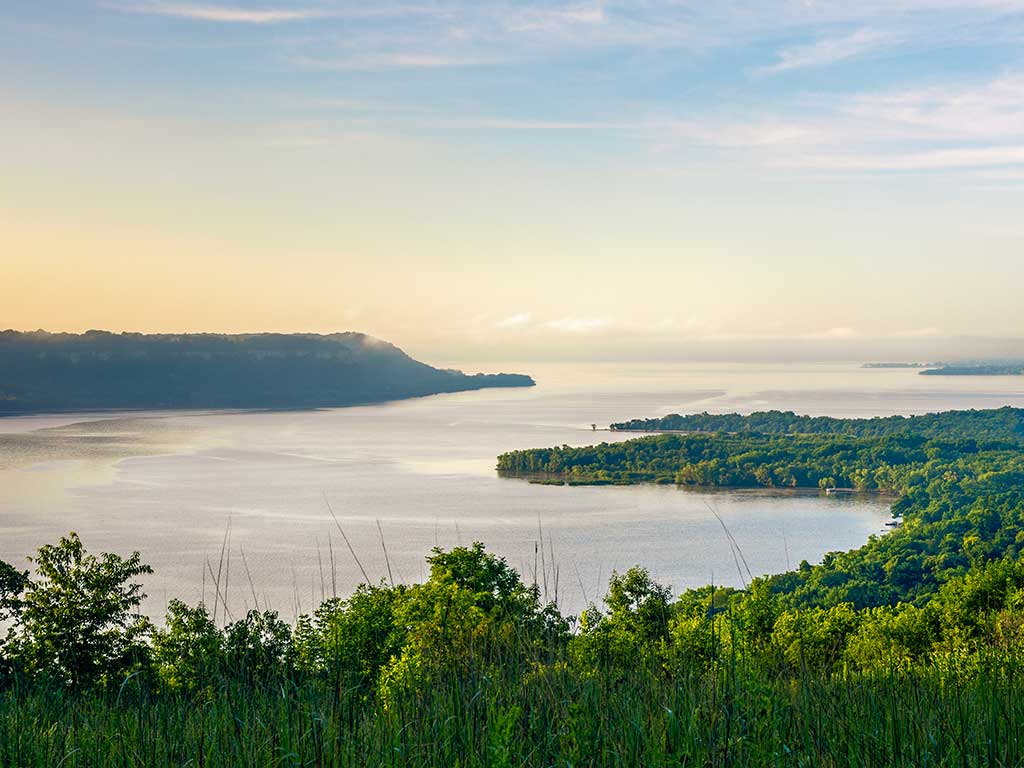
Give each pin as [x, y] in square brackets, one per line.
[98, 370]
[960, 496]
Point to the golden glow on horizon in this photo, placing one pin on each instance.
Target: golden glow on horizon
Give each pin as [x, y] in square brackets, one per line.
[456, 251]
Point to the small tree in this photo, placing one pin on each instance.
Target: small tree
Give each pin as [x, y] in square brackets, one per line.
[635, 624]
[495, 584]
[639, 604]
[189, 650]
[78, 621]
[351, 640]
[257, 646]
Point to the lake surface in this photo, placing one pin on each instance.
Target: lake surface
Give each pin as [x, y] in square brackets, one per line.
[420, 473]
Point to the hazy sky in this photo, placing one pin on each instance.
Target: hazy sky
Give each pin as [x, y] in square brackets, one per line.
[465, 178]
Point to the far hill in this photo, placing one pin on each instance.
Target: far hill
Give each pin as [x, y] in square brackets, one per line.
[45, 372]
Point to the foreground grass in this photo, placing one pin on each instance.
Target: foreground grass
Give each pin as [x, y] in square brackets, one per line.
[548, 715]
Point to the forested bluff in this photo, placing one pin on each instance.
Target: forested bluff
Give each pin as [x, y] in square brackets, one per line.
[98, 370]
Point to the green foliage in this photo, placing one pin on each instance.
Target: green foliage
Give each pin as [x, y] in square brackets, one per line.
[494, 585]
[636, 622]
[980, 369]
[815, 638]
[351, 641]
[471, 612]
[893, 463]
[639, 604]
[897, 638]
[733, 714]
[461, 670]
[258, 645]
[996, 424]
[188, 651]
[77, 620]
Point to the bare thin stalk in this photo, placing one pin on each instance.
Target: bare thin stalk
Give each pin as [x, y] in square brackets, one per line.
[366, 579]
[387, 560]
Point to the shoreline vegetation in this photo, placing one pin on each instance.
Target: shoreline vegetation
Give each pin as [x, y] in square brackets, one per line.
[955, 476]
[557, 480]
[982, 368]
[99, 371]
[904, 652]
[778, 449]
[995, 423]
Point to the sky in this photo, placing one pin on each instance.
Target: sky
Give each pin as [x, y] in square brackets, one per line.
[477, 180]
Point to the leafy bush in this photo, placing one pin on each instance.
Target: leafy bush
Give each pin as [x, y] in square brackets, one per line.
[188, 651]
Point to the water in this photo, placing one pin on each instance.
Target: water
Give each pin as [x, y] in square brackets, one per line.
[170, 484]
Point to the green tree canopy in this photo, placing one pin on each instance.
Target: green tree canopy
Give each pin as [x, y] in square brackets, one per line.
[78, 618]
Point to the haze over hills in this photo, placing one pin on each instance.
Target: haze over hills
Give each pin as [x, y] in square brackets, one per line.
[42, 371]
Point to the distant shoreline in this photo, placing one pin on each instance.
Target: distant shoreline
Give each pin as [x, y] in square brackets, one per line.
[768, 490]
[982, 368]
[976, 370]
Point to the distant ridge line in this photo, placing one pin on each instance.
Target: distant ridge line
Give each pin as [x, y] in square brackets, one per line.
[100, 370]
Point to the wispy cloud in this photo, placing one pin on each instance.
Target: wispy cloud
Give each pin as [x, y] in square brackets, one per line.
[959, 126]
[384, 62]
[826, 51]
[515, 321]
[555, 19]
[917, 128]
[969, 157]
[991, 110]
[753, 132]
[233, 14]
[229, 14]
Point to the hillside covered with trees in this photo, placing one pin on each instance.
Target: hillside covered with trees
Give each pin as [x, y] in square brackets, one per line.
[98, 370]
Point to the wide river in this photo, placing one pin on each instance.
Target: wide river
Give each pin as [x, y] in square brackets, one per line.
[412, 475]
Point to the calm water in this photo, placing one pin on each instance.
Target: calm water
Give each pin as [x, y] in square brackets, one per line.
[170, 484]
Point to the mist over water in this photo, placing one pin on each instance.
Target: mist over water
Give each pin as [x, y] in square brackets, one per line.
[421, 472]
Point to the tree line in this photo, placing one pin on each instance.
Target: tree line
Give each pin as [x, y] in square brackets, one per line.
[995, 424]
